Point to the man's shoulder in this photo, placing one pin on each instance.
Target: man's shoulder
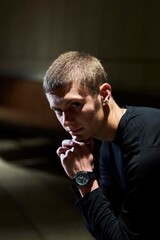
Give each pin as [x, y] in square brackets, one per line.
[143, 109]
[143, 114]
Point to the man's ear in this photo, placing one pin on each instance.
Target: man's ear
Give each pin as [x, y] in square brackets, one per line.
[105, 92]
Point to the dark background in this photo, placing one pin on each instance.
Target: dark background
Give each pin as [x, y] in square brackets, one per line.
[35, 199]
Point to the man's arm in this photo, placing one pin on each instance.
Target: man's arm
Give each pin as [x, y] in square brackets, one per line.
[94, 206]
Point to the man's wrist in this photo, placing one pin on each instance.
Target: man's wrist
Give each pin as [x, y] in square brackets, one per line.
[83, 178]
[89, 188]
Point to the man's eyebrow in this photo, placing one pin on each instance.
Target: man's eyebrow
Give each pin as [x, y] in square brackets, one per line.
[70, 100]
[53, 108]
[66, 102]
[73, 100]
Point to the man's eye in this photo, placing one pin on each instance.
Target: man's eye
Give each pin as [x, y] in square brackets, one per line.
[58, 111]
[75, 104]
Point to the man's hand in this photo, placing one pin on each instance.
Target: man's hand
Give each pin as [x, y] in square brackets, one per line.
[76, 156]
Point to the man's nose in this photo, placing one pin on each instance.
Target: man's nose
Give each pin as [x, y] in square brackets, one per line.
[67, 119]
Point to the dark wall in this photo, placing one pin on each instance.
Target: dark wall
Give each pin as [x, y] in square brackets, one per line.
[123, 34]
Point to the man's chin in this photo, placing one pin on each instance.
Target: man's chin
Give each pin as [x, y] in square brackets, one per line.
[80, 138]
[77, 138]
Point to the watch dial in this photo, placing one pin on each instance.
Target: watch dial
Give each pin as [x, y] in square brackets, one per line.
[82, 178]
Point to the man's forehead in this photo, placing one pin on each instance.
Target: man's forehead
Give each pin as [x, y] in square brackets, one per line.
[56, 100]
[71, 92]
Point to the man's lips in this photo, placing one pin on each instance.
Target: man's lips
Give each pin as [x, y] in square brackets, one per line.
[74, 131]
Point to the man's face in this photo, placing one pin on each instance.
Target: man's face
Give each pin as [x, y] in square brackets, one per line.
[80, 114]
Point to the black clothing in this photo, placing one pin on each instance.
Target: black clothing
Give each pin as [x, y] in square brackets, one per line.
[127, 204]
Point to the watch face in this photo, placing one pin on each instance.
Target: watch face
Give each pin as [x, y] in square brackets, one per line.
[82, 178]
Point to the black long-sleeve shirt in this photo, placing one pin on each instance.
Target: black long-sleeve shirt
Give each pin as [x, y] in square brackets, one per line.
[127, 203]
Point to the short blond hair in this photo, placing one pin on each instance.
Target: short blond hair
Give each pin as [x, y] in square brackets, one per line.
[74, 66]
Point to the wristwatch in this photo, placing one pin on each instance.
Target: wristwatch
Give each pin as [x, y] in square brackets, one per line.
[83, 178]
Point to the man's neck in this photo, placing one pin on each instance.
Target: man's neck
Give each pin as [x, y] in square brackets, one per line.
[112, 121]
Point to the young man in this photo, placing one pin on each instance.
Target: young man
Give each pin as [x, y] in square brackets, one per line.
[124, 202]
